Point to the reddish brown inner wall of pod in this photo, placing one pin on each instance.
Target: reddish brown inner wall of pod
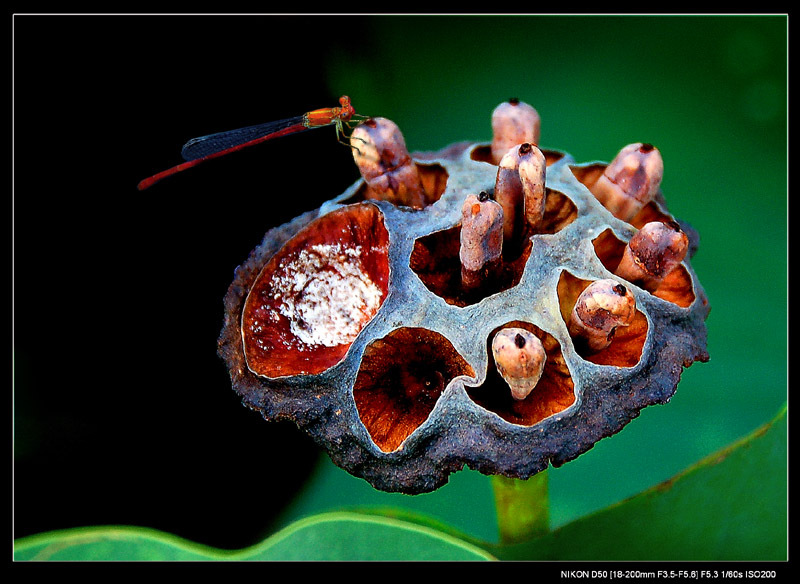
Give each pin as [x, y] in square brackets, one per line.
[277, 341]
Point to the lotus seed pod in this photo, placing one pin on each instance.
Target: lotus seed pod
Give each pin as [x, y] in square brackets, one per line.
[513, 122]
[353, 321]
[380, 153]
[602, 307]
[630, 181]
[481, 240]
[520, 358]
[652, 254]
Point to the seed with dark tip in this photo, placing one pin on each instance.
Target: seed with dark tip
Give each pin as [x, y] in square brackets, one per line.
[520, 358]
[600, 308]
[674, 224]
[630, 181]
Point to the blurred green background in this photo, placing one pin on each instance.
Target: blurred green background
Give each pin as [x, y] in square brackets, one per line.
[709, 91]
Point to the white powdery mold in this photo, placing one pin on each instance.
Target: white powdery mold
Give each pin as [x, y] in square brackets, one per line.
[326, 295]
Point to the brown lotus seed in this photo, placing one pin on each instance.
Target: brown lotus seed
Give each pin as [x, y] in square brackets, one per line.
[520, 190]
[481, 240]
[384, 162]
[602, 307]
[532, 170]
[520, 358]
[652, 253]
[630, 181]
[513, 122]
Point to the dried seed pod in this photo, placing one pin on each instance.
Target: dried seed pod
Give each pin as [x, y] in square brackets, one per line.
[602, 307]
[630, 181]
[520, 357]
[380, 153]
[393, 370]
[481, 240]
[652, 253]
[513, 122]
[520, 190]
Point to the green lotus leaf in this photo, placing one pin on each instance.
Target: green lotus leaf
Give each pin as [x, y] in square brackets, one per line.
[325, 537]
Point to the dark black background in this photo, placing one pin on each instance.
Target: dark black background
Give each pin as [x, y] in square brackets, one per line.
[122, 411]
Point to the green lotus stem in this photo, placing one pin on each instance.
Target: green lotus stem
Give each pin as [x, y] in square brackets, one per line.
[522, 507]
